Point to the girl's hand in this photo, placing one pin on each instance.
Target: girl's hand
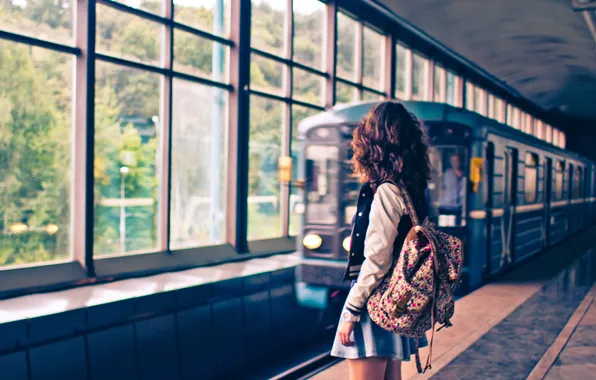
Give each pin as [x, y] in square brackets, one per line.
[344, 332]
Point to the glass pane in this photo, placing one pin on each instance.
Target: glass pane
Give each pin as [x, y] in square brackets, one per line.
[199, 162]
[401, 67]
[418, 77]
[530, 177]
[44, 19]
[344, 93]
[308, 87]
[438, 79]
[447, 187]
[264, 150]
[266, 75]
[369, 95]
[209, 15]
[479, 106]
[35, 154]
[450, 89]
[374, 45]
[198, 56]
[267, 29]
[127, 36]
[309, 25]
[153, 6]
[126, 157]
[549, 133]
[346, 47]
[299, 113]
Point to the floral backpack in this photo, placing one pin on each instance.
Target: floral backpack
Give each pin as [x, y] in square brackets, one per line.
[417, 292]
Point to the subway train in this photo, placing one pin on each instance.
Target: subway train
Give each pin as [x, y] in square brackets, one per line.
[518, 195]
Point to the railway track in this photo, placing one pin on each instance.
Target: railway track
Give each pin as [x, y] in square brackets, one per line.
[309, 368]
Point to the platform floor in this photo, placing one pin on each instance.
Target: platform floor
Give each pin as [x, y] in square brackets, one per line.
[505, 329]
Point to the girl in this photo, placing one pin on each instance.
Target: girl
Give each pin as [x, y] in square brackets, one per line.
[390, 147]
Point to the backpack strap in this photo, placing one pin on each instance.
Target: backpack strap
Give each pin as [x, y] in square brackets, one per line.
[409, 205]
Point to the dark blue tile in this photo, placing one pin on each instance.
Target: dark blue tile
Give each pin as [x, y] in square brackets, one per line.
[155, 303]
[56, 325]
[196, 340]
[12, 333]
[156, 348]
[256, 283]
[257, 321]
[283, 276]
[282, 302]
[110, 313]
[229, 337]
[112, 354]
[14, 366]
[193, 296]
[227, 288]
[63, 360]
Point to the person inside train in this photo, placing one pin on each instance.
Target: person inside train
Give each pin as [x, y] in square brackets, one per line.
[390, 148]
[453, 187]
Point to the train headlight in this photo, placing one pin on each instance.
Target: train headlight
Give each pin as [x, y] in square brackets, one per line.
[347, 244]
[312, 241]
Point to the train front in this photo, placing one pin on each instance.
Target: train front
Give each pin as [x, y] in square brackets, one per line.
[331, 193]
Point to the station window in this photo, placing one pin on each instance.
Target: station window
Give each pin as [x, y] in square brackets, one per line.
[555, 137]
[35, 184]
[531, 177]
[373, 47]
[268, 25]
[562, 140]
[345, 93]
[347, 45]
[264, 150]
[559, 172]
[309, 27]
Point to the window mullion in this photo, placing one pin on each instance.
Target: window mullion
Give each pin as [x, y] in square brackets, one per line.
[164, 131]
[82, 212]
[286, 135]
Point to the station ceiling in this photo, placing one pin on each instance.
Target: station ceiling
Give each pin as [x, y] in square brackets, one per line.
[542, 48]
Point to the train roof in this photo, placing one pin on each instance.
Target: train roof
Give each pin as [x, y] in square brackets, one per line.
[352, 113]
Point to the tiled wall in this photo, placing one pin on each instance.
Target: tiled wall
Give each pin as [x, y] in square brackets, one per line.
[211, 331]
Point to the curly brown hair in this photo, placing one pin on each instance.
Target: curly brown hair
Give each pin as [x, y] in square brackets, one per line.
[390, 145]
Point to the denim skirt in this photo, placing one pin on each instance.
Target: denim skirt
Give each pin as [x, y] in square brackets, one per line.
[371, 339]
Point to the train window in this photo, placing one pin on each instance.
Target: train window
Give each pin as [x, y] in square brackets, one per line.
[577, 183]
[559, 170]
[530, 177]
[447, 187]
[321, 187]
[548, 132]
[419, 76]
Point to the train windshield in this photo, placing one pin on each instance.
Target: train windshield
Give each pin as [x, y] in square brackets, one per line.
[447, 187]
[321, 191]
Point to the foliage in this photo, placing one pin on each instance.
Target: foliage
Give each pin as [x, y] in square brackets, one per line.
[36, 120]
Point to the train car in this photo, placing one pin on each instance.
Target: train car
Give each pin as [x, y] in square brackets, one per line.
[518, 194]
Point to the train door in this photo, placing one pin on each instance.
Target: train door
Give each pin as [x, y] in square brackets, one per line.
[509, 202]
[490, 185]
[548, 182]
